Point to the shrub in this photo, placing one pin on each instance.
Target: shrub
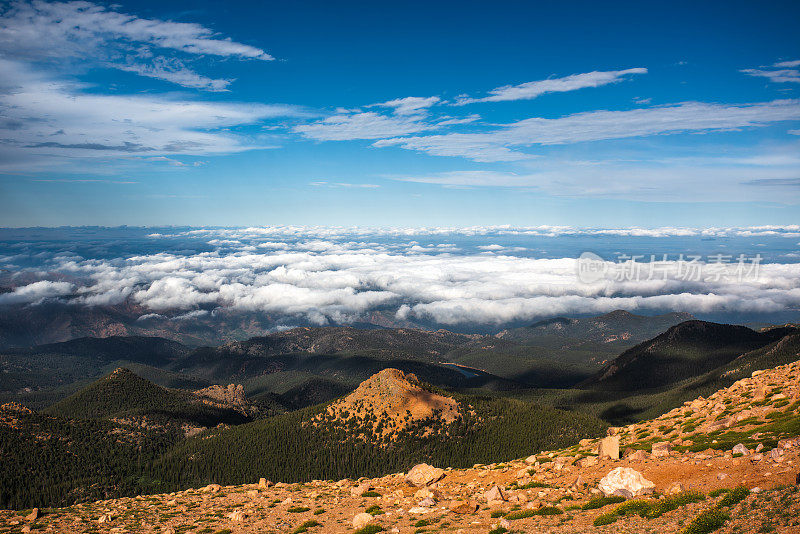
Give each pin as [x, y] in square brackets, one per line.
[659, 508]
[370, 494]
[520, 514]
[422, 523]
[708, 521]
[319, 511]
[549, 510]
[298, 509]
[369, 529]
[633, 507]
[605, 519]
[497, 513]
[734, 496]
[718, 492]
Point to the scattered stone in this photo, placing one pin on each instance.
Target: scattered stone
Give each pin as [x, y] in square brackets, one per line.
[740, 449]
[587, 461]
[638, 455]
[237, 515]
[424, 475]
[627, 479]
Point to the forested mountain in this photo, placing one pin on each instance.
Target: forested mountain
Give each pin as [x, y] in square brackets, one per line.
[689, 349]
[132, 430]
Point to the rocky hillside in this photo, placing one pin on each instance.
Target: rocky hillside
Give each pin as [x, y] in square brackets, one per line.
[727, 463]
[391, 401]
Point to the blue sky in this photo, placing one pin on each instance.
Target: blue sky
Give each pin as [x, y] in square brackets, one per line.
[413, 114]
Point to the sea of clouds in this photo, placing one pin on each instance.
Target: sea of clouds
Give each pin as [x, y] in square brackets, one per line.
[448, 276]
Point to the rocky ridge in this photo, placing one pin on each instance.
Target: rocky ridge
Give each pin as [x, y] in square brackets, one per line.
[727, 463]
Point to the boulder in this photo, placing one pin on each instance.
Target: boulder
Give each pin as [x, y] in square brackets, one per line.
[494, 495]
[638, 455]
[627, 479]
[661, 449]
[587, 461]
[361, 520]
[427, 502]
[264, 483]
[740, 449]
[424, 475]
[463, 507]
[676, 488]
[609, 448]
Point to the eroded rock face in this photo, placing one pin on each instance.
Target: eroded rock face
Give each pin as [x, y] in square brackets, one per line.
[424, 475]
[625, 478]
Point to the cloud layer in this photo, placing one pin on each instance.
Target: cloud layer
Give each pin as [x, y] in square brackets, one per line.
[323, 275]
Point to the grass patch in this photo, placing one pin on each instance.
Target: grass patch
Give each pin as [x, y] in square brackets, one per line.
[599, 502]
[422, 523]
[530, 485]
[319, 511]
[498, 530]
[298, 509]
[497, 513]
[548, 510]
[369, 529]
[305, 526]
[706, 522]
[370, 494]
[374, 510]
[718, 492]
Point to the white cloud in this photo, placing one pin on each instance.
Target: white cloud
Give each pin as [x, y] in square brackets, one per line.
[45, 31]
[780, 72]
[412, 105]
[36, 292]
[530, 90]
[367, 125]
[320, 280]
[601, 125]
[174, 71]
[48, 117]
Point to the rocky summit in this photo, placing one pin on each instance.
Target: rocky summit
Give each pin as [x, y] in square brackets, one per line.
[390, 401]
[727, 463]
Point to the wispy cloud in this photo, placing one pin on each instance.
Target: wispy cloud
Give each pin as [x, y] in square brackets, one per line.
[780, 72]
[530, 90]
[500, 144]
[366, 125]
[411, 105]
[42, 31]
[50, 117]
